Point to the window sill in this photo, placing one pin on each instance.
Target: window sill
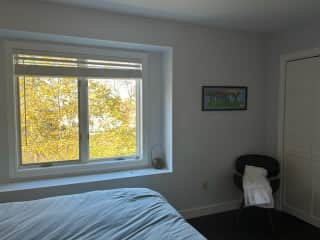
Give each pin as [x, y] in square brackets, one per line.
[63, 181]
[64, 170]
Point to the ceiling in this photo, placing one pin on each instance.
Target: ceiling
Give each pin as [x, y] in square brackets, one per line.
[249, 15]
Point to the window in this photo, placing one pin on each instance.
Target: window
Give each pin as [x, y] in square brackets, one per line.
[49, 119]
[112, 118]
[74, 109]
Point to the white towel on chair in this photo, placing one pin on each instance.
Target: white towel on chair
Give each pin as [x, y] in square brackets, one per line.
[257, 189]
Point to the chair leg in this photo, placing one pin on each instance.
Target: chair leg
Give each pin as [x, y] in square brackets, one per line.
[239, 213]
[271, 220]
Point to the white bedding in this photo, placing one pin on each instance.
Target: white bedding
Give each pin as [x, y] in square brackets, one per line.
[130, 213]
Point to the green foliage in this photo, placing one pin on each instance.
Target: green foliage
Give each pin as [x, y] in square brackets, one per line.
[49, 122]
[112, 119]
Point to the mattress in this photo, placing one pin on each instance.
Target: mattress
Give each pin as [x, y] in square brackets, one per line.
[128, 213]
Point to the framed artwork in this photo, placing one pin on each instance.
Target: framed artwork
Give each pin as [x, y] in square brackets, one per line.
[223, 98]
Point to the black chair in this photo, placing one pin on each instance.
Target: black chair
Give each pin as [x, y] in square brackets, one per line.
[270, 164]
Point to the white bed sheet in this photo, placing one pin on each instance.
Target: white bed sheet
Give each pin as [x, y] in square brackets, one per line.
[128, 213]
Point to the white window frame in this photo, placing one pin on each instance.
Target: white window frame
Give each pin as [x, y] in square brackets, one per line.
[87, 167]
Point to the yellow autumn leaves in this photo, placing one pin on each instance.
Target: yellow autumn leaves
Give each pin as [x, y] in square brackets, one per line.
[49, 118]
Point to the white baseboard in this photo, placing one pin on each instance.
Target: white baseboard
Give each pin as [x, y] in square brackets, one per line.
[210, 209]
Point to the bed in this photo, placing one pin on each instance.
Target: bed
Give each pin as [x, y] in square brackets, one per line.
[128, 213]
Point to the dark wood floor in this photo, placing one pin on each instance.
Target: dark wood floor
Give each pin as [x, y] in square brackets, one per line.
[254, 224]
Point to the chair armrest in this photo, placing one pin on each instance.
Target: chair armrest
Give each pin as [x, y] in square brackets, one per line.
[237, 179]
[275, 184]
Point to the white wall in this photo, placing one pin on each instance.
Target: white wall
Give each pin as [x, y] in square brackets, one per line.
[205, 144]
[278, 44]
[4, 166]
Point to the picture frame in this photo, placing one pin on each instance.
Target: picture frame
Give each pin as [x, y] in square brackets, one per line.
[224, 98]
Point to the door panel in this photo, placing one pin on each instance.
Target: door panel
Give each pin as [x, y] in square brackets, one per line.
[298, 188]
[298, 133]
[316, 146]
[316, 186]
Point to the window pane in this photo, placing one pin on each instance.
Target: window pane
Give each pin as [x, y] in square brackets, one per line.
[49, 125]
[112, 118]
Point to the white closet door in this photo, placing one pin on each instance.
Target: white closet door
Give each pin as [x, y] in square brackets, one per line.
[298, 132]
[316, 144]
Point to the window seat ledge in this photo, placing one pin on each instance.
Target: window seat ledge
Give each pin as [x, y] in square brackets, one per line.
[62, 181]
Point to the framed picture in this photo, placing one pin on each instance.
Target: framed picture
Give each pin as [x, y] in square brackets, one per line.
[218, 98]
